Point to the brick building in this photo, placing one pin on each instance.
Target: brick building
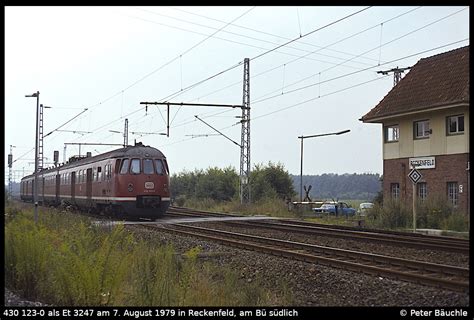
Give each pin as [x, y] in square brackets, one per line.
[425, 123]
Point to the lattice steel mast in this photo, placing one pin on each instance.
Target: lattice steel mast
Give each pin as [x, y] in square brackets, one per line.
[245, 139]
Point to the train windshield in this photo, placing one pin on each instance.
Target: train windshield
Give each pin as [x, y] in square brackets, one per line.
[124, 168]
[148, 166]
[159, 166]
[135, 166]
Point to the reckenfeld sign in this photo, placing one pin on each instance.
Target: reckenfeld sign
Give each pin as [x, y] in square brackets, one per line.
[422, 163]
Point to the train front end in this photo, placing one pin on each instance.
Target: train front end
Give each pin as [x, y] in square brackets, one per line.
[142, 183]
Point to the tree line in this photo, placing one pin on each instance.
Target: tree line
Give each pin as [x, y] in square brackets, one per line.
[271, 181]
[361, 186]
[267, 182]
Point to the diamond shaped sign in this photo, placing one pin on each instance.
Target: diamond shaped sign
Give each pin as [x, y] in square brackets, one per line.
[415, 176]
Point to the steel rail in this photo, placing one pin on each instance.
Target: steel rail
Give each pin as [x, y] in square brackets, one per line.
[382, 236]
[382, 231]
[406, 241]
[443, 276]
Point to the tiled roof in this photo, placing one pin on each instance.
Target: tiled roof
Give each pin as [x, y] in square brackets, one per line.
[436, 81]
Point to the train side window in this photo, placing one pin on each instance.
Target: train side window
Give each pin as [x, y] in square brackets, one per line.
[99, 173]
[135, 166]
[124, 168]
[148, 166]
[159, 166]
[94, 174]
[166, 166]
[117, 165]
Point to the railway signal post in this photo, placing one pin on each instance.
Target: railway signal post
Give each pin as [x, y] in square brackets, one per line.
[414, 176]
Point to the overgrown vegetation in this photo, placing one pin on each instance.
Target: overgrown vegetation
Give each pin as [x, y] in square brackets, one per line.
[268, 181]
[272, 187]
[433, 213]
[218, 189]
[67, 260]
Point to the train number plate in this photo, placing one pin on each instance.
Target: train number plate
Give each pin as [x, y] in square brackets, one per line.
[149, 185]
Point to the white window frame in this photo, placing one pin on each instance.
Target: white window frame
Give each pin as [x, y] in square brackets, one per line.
[457, 130]
[425, 129]
[395, 192]
[422, 191]
[453, 193]
[392, 133]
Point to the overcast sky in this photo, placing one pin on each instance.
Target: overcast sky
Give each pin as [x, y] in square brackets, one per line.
[109, 59]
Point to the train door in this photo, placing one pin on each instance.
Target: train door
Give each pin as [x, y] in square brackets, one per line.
[73, 186]
[58, 181]
[89, 186]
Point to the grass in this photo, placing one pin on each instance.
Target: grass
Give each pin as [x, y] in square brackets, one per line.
[269, 207]
[66, 260]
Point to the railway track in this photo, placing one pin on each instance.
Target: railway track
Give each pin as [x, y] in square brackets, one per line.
[406, 239]
[437, 275]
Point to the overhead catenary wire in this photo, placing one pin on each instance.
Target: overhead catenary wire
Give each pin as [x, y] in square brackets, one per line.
[172, 60]
[348, 74]
[121, 92]
[264, 32]
[167, 63]
[175, 94]
[226, 70]
[364, 69]
[320, 48]
[363, 53]
[333, 92]
[319, 82]
[232, 33]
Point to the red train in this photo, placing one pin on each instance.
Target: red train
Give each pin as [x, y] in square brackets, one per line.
[130, 182]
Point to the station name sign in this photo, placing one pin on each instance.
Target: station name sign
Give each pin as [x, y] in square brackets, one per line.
[422, 163]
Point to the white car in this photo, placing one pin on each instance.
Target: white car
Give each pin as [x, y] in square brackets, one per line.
[364, 208]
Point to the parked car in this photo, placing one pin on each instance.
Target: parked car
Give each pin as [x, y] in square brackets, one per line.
[364, 208]
[330, 207]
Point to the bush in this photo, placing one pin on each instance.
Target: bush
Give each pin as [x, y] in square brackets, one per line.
[392, 215]
[66, 260]
[433, 213]
[455, 222]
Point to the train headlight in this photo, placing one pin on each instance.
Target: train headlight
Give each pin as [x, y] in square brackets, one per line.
[130, 187]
